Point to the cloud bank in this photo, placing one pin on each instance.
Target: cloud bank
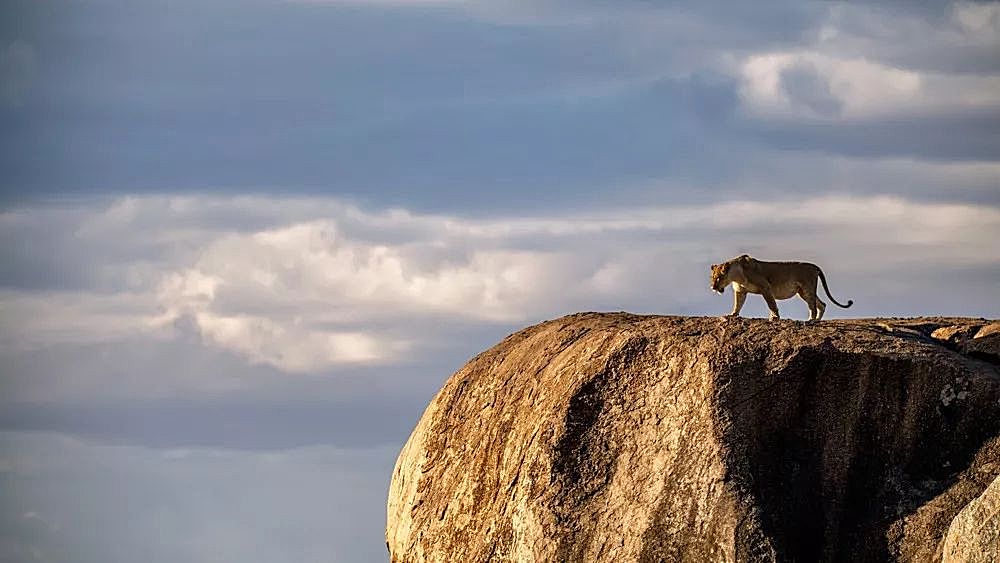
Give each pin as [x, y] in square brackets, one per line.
[306, 285]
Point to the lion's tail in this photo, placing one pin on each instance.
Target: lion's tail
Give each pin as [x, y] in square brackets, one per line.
[827, 289]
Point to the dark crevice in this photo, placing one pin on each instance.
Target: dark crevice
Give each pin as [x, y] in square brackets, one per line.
[823, 460]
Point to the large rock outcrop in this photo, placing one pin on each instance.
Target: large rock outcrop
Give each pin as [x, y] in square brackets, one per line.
[616, 437]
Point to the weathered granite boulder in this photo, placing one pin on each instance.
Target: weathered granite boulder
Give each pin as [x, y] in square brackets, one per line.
[615, 437]
[977, 338]
[974, 535]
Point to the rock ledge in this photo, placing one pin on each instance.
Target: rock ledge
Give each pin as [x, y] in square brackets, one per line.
[617, 437]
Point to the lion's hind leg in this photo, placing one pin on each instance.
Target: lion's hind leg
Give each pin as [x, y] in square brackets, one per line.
[816, 307]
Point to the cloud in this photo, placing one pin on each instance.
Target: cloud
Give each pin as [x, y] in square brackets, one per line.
[37, 319]
[792, 172]
[305, 294]
[271, 295]
[980, 21]
[854, 68]
[957, 37]
[547, 103]
[813, 84]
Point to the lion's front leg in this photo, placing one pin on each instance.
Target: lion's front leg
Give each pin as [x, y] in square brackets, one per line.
[772, 305]
[738, 298]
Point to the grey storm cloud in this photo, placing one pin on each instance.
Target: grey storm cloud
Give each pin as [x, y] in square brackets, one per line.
[806, 86]
[500, 105]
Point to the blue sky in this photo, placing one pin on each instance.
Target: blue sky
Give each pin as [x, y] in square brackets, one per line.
[243, 243]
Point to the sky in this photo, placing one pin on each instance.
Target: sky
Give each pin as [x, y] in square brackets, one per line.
[243, 243]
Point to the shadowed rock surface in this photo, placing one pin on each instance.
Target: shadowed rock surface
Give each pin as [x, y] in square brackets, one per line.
[616, 437]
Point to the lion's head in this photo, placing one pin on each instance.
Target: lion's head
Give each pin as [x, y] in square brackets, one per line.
[720, 275]
[723, 274]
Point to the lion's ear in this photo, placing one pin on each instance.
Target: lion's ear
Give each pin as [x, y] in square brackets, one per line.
[744, 257]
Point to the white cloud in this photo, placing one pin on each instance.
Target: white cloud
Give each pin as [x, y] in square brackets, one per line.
[262, 340]
[856, 88]
[271, 295]
[314, 261]
[869, 61]
[304, 293]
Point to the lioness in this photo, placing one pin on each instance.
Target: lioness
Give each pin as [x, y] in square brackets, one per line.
[773, 280]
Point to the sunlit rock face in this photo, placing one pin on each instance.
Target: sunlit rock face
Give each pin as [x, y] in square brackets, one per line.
[974, 535]
[616, 437]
